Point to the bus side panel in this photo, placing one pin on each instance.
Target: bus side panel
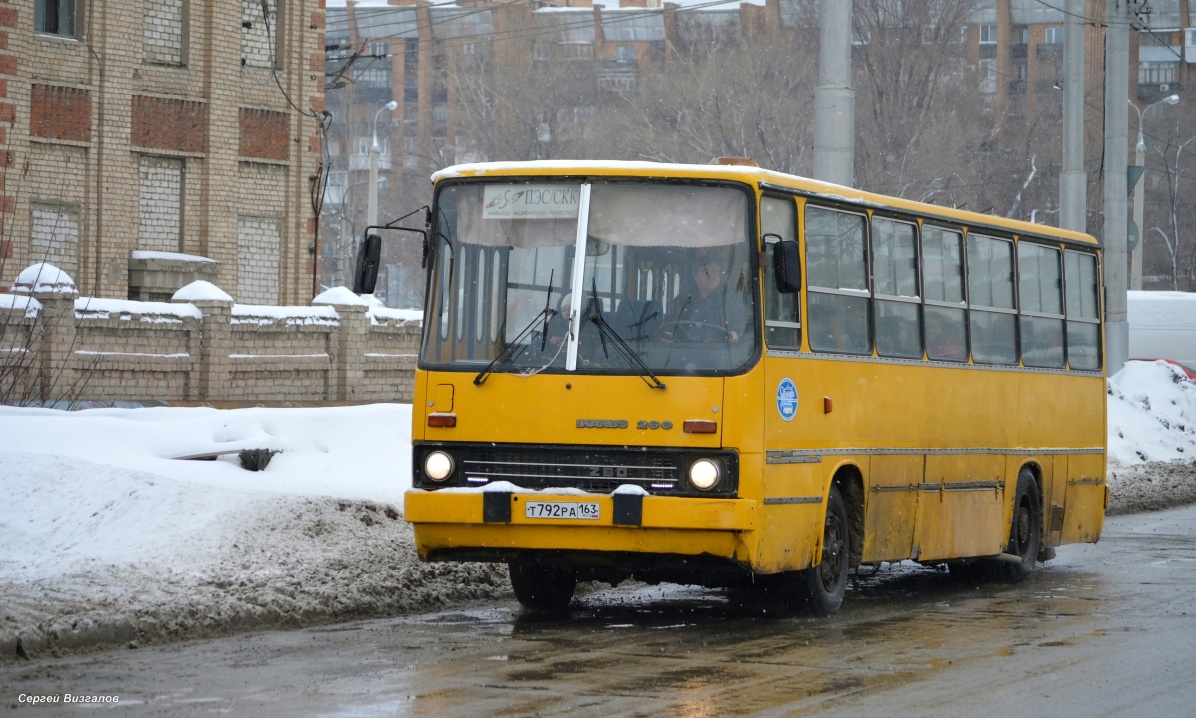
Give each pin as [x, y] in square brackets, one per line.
[1054, 494]
[1084, 513]
[791, 531]
[954, 520]
[891, 505]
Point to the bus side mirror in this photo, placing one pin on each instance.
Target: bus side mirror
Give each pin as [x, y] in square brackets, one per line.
[365, 274]
[786, 265]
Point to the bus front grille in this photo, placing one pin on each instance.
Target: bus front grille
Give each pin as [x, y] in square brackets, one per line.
[593, 469]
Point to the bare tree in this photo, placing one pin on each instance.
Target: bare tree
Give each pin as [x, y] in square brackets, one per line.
[750, 98]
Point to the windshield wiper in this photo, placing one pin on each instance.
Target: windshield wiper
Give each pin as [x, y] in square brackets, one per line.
[509, 353]
[607, 332]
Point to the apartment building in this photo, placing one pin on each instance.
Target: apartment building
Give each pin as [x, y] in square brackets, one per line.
[409, 51]
[1018, 46]
[146, 143]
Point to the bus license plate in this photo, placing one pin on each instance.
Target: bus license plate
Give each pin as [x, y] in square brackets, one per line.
[561, 510]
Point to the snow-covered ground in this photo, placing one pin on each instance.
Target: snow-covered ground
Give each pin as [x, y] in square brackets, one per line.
[108, 538]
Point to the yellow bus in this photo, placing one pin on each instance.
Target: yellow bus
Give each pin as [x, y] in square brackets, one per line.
[722, 375]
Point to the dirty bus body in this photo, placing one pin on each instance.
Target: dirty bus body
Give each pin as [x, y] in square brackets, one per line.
[723, 375]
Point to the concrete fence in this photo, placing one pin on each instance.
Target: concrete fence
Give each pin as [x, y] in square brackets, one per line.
[200, 347]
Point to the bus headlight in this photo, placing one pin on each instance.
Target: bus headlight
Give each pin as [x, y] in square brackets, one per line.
[703, 474]
[438, 465]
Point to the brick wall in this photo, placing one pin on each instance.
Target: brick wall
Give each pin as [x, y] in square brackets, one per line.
[264, 134]
[165, 124]
[78, 349]
[60, 113]
[160, 201]
[163, 36]
[258, 244]
[55, 229]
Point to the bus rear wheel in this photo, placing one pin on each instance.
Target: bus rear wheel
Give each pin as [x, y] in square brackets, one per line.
[825, 583]
[542, 587]
[1025, 534]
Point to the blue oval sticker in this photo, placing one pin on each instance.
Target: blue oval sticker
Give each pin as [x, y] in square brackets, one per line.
[787, 399]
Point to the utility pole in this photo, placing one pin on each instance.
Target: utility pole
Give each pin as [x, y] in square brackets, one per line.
[834, 100]
[1073, 199]
[1117, 55]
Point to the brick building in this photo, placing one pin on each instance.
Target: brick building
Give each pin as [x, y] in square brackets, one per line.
[136, 131]
[1018, 45]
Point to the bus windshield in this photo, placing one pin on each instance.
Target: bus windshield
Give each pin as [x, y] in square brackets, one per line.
[664, 286]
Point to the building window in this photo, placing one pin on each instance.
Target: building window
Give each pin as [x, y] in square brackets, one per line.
[160, 204]
[1021, 35]
[163, 37]
[1150, 38]
[626, 53]
[1054, 35]
[54, 235]
[1157, 73]
[55, 17]
[988, 34]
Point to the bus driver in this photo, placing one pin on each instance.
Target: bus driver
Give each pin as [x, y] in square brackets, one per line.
[706, 311]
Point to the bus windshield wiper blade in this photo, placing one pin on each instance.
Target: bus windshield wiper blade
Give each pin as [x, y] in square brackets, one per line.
[607, 332]
[509, 352]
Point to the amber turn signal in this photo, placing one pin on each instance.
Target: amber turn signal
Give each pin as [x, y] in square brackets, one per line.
[699, 426]
[446, 421]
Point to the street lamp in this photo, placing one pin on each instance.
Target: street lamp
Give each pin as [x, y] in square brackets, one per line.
[371, 215]
[1140, 161]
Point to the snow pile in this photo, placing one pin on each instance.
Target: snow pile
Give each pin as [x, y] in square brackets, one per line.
[109, 537]
[1152, 438]
[106, 539]
[1152, 414]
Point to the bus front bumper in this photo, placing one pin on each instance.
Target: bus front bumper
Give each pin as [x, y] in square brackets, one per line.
[447, 520]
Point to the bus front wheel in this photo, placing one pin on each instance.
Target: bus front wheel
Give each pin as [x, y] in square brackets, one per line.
[825, 583]
[542, 587]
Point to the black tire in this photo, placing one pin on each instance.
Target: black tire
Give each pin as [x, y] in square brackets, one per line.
[542, 587]
[1025, 533]
[825, 583]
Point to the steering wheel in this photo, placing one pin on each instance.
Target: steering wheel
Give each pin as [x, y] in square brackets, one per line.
[670, 328]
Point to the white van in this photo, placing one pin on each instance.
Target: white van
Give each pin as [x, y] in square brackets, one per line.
[1163, 326]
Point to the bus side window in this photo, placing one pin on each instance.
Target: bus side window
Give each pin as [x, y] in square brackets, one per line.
[1040, 288]
[1083, 314]
[782, 319]
[895, 282]
[942, 281]
[837, 281]
[990, 296]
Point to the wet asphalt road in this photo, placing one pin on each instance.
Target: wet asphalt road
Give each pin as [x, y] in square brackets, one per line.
[1106, 629]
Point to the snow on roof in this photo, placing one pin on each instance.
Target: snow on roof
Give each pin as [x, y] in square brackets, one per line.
[380, 315]
[201, 291]
[339, 295]
[11, 301]
[96, 308]
[467, 169]
[262, 314]
[174, 256]
[44, 277]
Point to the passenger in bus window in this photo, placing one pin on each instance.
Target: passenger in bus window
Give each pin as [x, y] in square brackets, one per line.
[707, 312]
[941, 342]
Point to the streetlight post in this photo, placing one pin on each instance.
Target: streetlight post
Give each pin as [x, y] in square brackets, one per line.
[371, 214]
[1140, 161]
